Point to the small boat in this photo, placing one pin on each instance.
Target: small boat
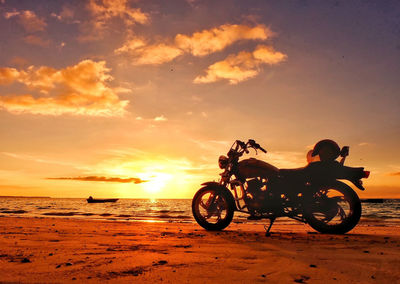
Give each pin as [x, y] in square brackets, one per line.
[93, 200]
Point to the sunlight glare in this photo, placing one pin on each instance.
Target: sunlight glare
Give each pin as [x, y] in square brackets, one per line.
[155, 182]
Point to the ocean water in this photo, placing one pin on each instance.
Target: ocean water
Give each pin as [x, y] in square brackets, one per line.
[161, 210]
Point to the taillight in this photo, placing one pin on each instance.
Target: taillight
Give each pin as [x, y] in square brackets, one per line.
[366, 174]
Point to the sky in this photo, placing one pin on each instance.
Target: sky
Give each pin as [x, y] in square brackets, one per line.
[137, 99]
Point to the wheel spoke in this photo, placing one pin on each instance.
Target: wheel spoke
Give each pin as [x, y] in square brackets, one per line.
[333, 209]
[212, 207]
[219, 216]
[203, 205]
[342, 214]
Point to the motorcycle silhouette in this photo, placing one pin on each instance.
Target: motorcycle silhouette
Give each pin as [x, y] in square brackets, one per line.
[312, 195]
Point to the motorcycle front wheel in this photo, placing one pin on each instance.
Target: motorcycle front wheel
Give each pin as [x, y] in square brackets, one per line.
[334, 209]
[212, 208]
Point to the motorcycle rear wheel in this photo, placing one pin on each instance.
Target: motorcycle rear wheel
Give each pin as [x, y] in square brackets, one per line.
[334, 209]
[212, 208]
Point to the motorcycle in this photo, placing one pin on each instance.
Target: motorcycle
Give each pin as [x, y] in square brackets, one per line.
[313, 195]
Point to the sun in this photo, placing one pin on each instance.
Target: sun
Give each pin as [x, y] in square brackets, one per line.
[155, 182]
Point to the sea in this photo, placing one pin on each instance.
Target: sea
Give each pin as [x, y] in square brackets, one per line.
[386, 212]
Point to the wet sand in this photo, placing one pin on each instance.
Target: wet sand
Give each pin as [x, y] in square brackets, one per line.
[61, 250]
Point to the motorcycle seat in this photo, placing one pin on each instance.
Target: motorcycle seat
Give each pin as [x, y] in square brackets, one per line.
[292, 173]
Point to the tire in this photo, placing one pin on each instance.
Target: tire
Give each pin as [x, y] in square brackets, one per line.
[218, 214]
[334, 209]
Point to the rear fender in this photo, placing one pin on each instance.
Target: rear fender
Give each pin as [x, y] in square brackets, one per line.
[356, 182]
[333, 184]
[220, 188]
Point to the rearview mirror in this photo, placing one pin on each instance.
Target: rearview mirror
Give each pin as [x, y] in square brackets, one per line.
[345, 151]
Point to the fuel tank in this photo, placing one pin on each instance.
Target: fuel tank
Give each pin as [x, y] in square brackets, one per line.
[250, 168]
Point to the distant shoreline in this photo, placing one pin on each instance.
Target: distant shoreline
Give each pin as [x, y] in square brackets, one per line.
[24, 196]
[139, 198]
[364, 200]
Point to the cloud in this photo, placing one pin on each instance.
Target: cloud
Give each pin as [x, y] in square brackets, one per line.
[38, 159]
[103, 179]
[104, 10]
[198, 44]
[28, 20]
[394, 174]
[143, 54]
[8, 75]
[31, 24]
[241, 66]
[36, 40]
[160, 118]
[81, 89]
[66, 15]
[9, 15]
[216, 39]
[103, 14]
[18, 61]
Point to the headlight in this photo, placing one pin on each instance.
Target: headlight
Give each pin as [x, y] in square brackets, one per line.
[222, 162]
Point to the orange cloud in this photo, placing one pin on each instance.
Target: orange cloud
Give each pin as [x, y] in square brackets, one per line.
[198, 44]
[160, 118]
[104, 10]
[216, 39]
[395, 174]
[81, 89]
[9, 15]
[28, 20]
[242, 66]
[66, 14]
[8, 75]
[143, 54]
[104, 179]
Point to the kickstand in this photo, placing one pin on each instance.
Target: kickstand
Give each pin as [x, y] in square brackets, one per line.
[271, 221]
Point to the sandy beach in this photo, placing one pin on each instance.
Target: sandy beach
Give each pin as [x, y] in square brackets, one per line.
[60, 250]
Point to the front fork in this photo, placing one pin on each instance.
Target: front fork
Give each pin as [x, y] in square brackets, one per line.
[212, 206]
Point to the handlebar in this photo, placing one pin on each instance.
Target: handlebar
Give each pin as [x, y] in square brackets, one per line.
[262, 149]
[255, 145]
[250, 144]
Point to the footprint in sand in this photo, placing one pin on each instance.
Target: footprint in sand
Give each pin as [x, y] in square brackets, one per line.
[301, 279]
